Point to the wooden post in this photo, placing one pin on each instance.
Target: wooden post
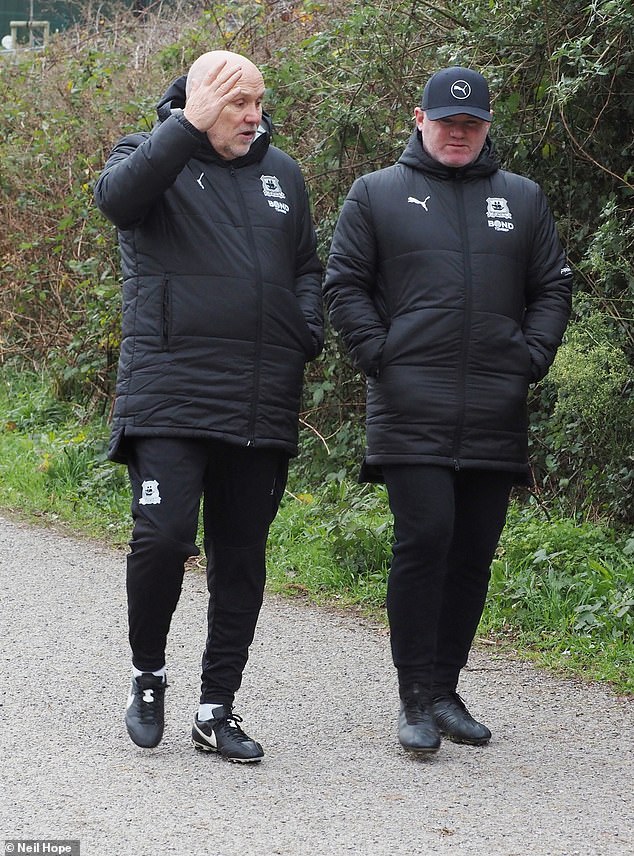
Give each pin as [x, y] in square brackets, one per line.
[31, 26]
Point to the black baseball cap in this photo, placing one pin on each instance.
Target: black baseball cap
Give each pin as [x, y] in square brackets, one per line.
[456, 90]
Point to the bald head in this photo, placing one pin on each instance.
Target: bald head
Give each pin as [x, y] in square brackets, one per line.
[212, 60]
[224, 93]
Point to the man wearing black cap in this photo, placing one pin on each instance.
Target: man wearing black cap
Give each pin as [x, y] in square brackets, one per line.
[450, 287]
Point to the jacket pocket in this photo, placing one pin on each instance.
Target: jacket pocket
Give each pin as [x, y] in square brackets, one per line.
[284, 323]
[498, 345]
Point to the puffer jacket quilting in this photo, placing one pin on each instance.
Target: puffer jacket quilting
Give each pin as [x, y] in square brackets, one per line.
[221, 292]
[451, 291]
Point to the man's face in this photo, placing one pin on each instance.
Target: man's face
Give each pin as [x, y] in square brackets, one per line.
[455, 141]
[234, 131]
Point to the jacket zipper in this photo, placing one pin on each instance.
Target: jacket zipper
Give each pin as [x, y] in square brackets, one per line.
[259, 299]
[166, 314]
[466, 325]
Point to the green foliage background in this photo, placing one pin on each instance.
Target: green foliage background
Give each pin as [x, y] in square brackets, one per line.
[343, 79]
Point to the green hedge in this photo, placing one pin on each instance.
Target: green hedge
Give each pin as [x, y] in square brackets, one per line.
[343, 79]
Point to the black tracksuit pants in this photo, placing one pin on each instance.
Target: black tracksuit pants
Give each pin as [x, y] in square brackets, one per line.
[446, 529]
[241, 489]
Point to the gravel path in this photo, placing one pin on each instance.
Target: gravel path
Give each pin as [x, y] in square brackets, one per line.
[320, 693]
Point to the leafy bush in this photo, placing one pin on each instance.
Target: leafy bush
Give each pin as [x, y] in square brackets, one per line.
[62, 111]
[335, 544]
[589, 459]
[564, 577]
[342, 82]
[53, 458]
[566, 589]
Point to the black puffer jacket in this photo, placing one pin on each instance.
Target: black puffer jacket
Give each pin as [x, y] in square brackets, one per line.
[222, 286]
[451, 290]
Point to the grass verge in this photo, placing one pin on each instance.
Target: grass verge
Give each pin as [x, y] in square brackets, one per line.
[561, 594]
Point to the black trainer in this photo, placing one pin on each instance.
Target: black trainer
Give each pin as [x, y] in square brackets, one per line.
[144, 716]
[455, 721]
[417, 729]
[223, 734]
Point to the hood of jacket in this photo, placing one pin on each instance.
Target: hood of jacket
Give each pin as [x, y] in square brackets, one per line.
[173, 100]
[416, 156]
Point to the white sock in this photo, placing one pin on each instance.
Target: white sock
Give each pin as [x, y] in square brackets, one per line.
[160, 673]
[205, 711]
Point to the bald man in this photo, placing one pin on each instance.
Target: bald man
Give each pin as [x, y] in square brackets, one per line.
[221, 311]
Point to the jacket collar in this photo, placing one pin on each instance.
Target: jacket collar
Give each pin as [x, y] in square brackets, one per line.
[174, 99]
[415, 156]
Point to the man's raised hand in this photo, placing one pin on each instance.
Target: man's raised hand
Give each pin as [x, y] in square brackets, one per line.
[209, 96]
